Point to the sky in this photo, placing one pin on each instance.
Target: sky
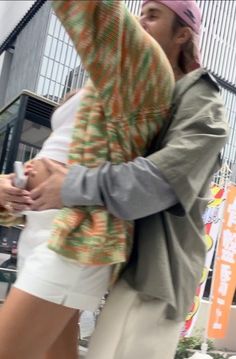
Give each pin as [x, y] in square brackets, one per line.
[11, 12]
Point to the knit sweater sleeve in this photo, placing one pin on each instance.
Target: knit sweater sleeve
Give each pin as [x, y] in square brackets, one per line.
[126, 64]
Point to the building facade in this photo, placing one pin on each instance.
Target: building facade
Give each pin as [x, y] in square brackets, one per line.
[41, 58]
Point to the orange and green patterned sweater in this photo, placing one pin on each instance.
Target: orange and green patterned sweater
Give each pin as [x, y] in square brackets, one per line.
[124, 105]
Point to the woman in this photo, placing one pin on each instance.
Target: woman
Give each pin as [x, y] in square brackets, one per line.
[37, 224]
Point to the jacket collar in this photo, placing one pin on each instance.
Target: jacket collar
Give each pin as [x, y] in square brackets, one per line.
[190, 79]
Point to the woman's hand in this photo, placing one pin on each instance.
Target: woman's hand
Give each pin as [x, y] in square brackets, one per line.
[12, 198]
[29, 168]
[48, 194]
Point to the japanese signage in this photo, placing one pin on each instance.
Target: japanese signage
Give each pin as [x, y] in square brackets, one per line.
[225, 270]
[212, 219]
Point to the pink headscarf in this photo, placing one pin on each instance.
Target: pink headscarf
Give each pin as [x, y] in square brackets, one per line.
[190, 13]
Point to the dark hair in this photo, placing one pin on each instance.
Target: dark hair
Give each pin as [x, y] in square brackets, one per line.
[187, 48]
[67, 96]
[177, 23]
[63, 100]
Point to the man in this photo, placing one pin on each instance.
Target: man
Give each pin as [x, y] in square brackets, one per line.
[165, 193]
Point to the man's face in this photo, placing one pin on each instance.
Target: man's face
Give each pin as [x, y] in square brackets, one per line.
[157, 20]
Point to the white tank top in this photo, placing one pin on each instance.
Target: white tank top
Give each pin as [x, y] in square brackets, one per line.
[56, 147]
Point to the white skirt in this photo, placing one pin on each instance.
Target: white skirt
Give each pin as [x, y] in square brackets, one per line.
[52, 277]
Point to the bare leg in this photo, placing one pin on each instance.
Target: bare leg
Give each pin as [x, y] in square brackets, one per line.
[29, 326]
[66, 345]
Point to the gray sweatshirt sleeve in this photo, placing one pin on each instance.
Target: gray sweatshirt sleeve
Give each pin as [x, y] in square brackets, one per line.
[129, 190]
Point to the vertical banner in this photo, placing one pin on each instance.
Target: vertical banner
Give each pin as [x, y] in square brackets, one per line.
[212, 219]
[224, 282]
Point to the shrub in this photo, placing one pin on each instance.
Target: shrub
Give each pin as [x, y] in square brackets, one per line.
[194, 342]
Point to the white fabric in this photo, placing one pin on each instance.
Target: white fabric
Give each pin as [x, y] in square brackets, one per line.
[132, 326]
[56, 147]
[35, 232]
[49, 276]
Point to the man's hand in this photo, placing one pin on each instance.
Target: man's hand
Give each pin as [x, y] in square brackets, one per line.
[48, 194]
[12, 198]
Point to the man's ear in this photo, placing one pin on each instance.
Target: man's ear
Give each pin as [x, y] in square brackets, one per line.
[183, 35]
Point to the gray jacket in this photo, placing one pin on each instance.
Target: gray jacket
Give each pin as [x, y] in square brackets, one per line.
[169, 251]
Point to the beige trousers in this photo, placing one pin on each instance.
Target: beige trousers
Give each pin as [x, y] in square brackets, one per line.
[133, 327]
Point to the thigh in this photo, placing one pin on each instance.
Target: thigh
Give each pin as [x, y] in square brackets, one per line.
[66, 345]
[29, 325]
[133, 328]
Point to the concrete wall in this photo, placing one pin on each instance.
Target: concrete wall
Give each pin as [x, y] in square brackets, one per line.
[27, 55]
[1, 61]
[229, 342]
[7, 57]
